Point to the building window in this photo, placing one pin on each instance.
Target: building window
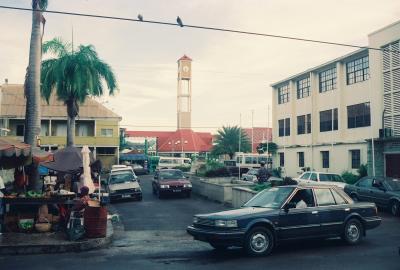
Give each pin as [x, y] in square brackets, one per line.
[303, 88]
[106, 132]
[355, 159]
[284, 127]
[357, 70]
[325, 159]
[105, 151]
[301, 159]
[20, 130]
[303, 124]
[282, 159]
[359, 115]
[325, 120]
[327, 80]
[283, 94]
[308, 123]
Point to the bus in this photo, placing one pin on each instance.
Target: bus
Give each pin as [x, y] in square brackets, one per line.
[250, 160]
[173, 162]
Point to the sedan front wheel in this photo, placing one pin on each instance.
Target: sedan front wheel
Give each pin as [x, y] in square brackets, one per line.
[259, 241]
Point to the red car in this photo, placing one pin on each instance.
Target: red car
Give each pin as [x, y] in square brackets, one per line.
[171, 181]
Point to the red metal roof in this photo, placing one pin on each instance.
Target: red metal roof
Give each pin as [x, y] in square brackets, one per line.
[185, 57]
[185, 140]
[260, 134]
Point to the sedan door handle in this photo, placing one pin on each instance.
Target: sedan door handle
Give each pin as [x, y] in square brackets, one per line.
[314, 212]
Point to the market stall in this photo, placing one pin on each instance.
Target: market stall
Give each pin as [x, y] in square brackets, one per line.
[55, 206]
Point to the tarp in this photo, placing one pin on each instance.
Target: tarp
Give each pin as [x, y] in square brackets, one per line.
[66, 160]
[127, 157]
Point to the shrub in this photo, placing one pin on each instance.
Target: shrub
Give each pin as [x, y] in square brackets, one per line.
[218, 172]
[362, 171]
[183, 168]
[350, 178]
[277, 172]
[260, 187]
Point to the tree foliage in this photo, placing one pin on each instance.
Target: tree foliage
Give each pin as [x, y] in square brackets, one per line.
[262, 148]
[74, 75]
[227, 141]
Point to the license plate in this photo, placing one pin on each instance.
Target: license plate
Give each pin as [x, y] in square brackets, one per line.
[126, 195]
[177, 190]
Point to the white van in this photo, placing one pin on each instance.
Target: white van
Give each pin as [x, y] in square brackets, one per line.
[173, 162]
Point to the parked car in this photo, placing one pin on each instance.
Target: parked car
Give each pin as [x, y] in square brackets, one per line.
[171, 181]
[287, 213]
[251, 175]
[139, 169]
[122, 183]
[384, 191]
[321, 178]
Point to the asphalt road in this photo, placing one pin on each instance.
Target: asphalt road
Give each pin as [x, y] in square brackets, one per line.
[151, 235]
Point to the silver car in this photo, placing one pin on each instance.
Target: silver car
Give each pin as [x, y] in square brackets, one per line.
[251, 175]
[321, 178]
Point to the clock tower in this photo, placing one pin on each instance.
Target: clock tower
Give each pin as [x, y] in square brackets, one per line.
[184, 95]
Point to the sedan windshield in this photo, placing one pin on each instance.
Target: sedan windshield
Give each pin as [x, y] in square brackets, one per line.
[394, 184]
[171, 174]
[270, 198]
[122, 177]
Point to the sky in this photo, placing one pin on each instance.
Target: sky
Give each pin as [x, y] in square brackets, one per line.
[231, 73]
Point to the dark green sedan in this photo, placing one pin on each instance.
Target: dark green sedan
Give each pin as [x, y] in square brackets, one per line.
[286, 213]
[383, 191]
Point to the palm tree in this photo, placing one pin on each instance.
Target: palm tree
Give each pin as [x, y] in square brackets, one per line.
[32, 86]
[74, 76]
[32, 79]
[227, 141]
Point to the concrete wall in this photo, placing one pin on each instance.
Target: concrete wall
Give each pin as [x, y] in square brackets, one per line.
[241, 195]
[217, 189]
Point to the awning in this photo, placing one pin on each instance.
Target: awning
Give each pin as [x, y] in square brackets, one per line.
[13, 153]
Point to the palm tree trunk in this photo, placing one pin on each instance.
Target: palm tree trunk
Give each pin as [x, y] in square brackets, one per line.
[71, 131]
[32, 87]
[32, 91]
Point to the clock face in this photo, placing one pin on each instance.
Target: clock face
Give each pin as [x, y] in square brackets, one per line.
[185, 68]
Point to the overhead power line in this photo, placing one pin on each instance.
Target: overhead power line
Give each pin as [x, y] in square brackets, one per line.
[201, 27]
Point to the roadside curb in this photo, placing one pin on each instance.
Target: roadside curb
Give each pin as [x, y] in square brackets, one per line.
[57, 247]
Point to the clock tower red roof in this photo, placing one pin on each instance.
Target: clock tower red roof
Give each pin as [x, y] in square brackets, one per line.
[185, 57]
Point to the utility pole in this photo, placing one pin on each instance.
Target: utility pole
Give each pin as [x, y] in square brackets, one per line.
[252, 130]
[240, 137]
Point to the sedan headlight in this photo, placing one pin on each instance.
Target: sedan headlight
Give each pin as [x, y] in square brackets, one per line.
[187, 185]
[195, 219]
[164, 186]
[226, 223]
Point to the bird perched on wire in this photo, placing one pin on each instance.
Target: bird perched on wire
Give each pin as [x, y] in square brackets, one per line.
[140, 17]
[179, 21]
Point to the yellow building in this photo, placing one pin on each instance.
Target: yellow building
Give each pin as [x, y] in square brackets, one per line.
[96, 126]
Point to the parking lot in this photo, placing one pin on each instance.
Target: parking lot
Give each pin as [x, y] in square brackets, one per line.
[152, 235]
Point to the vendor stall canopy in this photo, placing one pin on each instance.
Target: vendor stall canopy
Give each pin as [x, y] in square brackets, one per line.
[14, 153]
[67, 160]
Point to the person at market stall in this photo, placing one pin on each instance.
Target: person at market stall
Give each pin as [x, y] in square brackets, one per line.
[82, 202]
[2, 186]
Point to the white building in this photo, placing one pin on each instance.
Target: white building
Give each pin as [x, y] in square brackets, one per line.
[324, 118]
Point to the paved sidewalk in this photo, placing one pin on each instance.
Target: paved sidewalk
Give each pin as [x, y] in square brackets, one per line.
[39, 243]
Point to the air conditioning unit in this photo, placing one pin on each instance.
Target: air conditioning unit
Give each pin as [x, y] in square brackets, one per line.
[385, 132]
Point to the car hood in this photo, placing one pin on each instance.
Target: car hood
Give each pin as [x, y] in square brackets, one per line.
[124, 185]
[238, 213]
[174, 182]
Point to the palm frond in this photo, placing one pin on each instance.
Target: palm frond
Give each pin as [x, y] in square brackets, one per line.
[57, 47]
